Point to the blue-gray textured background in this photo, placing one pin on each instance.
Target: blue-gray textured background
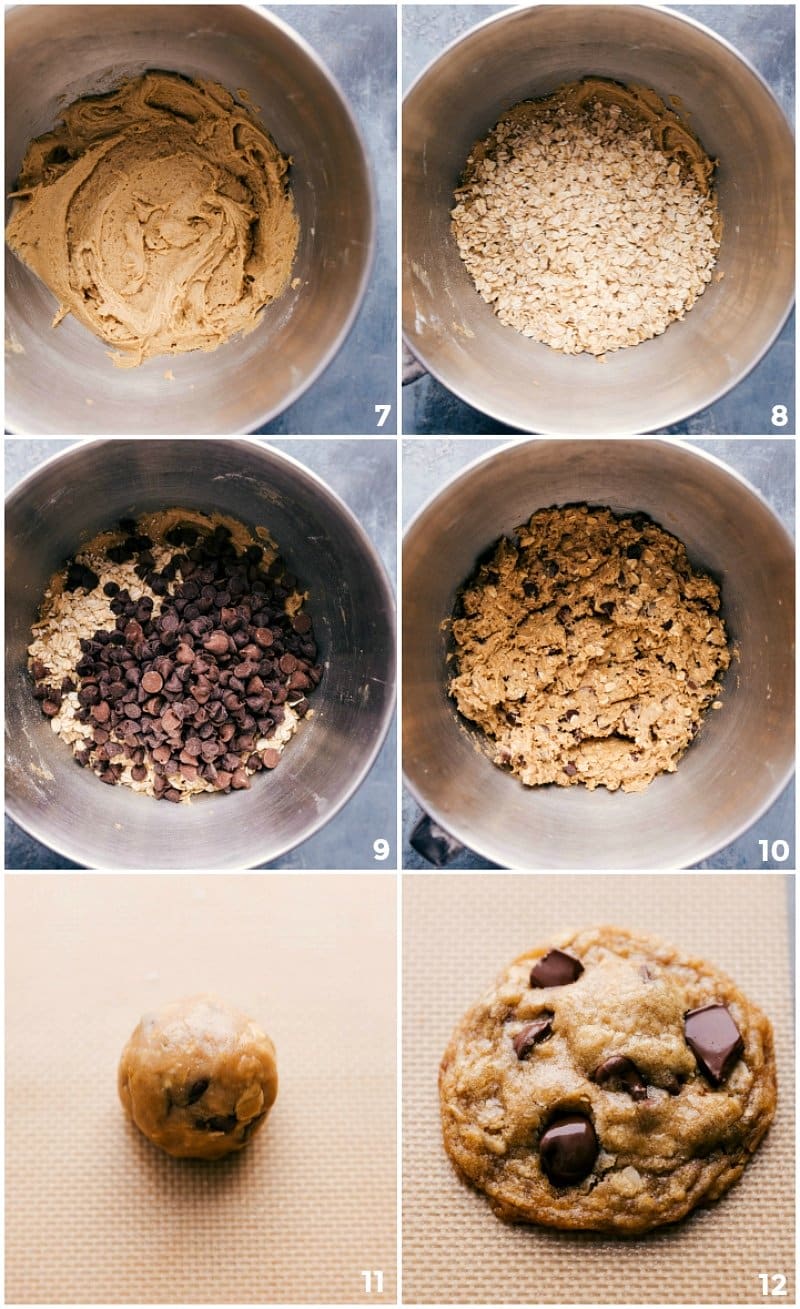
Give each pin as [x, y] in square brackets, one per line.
[764, 34]
[769, 465]
[364, 474]
[358, 43]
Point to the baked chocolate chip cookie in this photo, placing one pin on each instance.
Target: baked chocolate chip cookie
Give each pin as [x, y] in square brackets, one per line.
[607, 1082]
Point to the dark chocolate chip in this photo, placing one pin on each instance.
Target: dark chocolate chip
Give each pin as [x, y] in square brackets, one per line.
[714, 1039]
[568, 1149]
[570, 769]
[532, 1035]
[197, 1090]
[556, 968]
[619, 1068]
[218, 1123]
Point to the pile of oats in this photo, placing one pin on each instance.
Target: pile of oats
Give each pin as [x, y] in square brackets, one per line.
[578, 229]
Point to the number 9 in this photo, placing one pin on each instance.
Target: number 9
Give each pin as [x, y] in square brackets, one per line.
[381, 848]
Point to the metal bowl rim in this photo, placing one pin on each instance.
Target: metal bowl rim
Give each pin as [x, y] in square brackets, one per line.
[299, 388]
[66, 847]
[680, 412]
[493, 853]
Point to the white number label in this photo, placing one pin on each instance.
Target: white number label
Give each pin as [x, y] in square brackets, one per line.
[373, 1281]
[385, 410]
[780, 416]
[381, 848]
[779, 850]
[773, 1284]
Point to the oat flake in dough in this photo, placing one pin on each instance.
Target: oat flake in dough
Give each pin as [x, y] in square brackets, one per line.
[589, 651]
[159, 215]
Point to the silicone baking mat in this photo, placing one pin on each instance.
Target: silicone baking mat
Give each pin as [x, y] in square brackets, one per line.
[459, 931]
[94, 1213]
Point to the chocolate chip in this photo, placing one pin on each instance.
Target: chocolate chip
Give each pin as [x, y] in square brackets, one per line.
[570, 769]
[79, 576]
[619, 1068]
[556, 968]
[197, 1090]
[138, 773]
[270, 758]
[714, 1039]
[532, 1035]
[216, 643]
[152, 682]
[219, 1123]
[634, 551]
[568, 1149]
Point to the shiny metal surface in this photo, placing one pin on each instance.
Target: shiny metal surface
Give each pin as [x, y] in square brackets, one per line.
[62, 380]
[744, 754]
[526, 52]
[71, 497]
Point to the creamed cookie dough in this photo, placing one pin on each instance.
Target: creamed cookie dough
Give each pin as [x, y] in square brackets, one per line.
[607, 1082]
[198, 1078]
[588, 650]
[159, 215]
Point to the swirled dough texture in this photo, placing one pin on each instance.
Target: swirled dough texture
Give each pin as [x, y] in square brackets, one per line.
[159, 215]
[680, 1140]
[198, 1078]
[589, 650]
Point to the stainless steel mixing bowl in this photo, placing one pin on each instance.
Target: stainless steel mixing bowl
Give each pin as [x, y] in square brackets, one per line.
[62, 380]
[743, 755]
[76, 494]
[525, 53]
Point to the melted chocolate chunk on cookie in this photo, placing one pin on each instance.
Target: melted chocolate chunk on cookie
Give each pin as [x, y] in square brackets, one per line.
[556, 968]
[621, 1073]
[714, 1039]
[533, 1034]
[568, 1149]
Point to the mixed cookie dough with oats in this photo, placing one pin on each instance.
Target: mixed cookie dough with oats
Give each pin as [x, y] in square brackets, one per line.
[198, 1078]
[159, 215]
[587, 219]
[588, 650]
[607, 1081]
[174, 654]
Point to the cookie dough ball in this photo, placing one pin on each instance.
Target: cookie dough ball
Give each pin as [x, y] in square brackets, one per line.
[198, 1078]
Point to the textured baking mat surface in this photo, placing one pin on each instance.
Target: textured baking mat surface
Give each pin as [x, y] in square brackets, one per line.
[459, 932]
[96, 1214]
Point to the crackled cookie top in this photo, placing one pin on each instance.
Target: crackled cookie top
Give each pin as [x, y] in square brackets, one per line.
[159, 215]
[198, 1078]
[607, 1082]
[588, 650]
